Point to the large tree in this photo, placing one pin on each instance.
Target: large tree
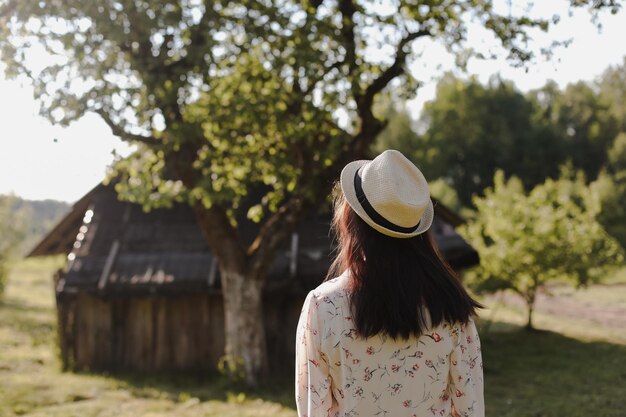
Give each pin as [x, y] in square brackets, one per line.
[220, 95]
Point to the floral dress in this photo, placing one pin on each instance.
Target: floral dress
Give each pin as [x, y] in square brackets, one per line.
[341, 375]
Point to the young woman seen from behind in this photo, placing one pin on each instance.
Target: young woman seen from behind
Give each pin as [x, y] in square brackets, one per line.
[391, 331]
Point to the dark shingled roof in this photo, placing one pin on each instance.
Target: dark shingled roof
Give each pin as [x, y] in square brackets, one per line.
[116, 247]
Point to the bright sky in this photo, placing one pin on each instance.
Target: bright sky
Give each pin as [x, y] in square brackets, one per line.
[38, 160]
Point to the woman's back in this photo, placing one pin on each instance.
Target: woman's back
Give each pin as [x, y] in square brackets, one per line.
[393, 335]
[345, 375]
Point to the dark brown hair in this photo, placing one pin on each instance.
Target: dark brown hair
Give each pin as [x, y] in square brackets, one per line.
[393, 281]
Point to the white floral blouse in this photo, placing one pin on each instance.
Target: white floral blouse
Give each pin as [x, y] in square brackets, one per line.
[341, 375]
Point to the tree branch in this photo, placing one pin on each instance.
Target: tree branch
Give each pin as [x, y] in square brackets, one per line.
[357, 146]
[221, 236]
[396, 69]
[370, 125]
[313, 82]
[347, 9]
[198, 36]
[123, 134]
[272, 234]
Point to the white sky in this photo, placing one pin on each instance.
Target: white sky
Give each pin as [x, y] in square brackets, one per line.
[35, 166]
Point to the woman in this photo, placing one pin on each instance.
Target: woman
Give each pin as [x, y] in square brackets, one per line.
[392, 335]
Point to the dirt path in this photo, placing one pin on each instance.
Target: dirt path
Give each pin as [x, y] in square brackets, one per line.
[555, 303]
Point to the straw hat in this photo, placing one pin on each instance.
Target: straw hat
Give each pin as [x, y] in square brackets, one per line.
[389, 193]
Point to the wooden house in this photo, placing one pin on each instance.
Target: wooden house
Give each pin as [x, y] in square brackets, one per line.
[141, 291]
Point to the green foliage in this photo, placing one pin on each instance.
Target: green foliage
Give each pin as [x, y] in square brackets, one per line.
[526, 240]
[585, 124]
[617, 157]
[473, 129]
[612, 88]
[242, 92]
[610, 190]
[443, 192]
[399, 134]
[11, 233]
[37, 217]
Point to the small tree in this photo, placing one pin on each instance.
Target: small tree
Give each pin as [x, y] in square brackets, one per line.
[526, 240]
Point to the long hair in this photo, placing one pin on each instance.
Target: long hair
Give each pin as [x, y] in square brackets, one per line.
[399, 287]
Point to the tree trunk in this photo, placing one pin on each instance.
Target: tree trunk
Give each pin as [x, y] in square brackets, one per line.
[529, 324]
[530, 302]
[245, 350]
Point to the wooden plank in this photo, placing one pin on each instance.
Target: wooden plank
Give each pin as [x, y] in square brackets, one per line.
[106, 271]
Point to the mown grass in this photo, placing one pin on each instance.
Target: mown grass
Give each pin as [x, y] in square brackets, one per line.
[545, 374]
[536, 374]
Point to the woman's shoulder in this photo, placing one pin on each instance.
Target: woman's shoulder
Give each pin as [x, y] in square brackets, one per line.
[334, 288]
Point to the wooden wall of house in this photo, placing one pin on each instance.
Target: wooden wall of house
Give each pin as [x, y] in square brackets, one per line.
[163, 333]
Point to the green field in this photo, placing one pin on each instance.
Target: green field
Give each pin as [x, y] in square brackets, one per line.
[580, 371]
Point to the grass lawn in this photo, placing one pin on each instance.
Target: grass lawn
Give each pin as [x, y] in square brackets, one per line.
[580, 372]
[546, 374]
